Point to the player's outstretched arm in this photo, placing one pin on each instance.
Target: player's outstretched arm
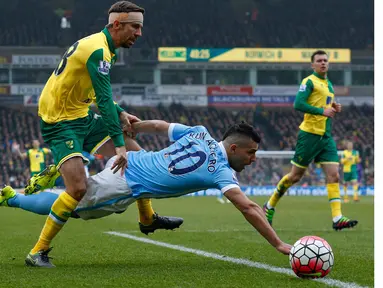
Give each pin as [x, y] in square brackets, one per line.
[255, 216]
[16, 149]
[151, 126]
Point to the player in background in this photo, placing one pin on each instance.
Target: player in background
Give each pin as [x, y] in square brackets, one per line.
[69, 127]
[194, 162]
[36, 156]
[316, 99]
[350, 159]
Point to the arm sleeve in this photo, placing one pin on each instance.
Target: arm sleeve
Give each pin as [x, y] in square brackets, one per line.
[226, 179]
[177, 131]
[118, 108]
[303, 94]
[46, 151]
[99, 74]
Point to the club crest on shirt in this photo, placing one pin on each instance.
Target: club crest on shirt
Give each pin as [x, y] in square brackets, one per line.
[104, 67]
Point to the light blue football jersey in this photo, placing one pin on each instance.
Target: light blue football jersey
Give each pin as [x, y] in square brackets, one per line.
[194, 162]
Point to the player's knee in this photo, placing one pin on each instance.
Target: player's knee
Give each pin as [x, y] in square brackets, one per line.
[78, 191]
[333, 177]
[76, 187]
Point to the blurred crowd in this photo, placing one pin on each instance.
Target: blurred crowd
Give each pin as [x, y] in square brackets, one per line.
[278, 129]
[198, 23]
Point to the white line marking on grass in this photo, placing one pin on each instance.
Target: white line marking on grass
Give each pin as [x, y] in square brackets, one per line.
[310, 231]
[327, 281]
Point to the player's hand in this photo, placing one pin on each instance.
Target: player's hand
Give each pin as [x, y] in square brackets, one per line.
[284, 248]
[121, 162]
[337, 107]
[15, 147]
[127, 120]
[329, 112]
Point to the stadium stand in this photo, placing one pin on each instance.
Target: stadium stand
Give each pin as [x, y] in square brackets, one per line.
[251, 23]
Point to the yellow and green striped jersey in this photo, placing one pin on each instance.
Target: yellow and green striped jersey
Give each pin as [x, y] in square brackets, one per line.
[82, 78]
[315, 94]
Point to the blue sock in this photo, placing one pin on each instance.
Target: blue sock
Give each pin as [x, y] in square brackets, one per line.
[37, 203]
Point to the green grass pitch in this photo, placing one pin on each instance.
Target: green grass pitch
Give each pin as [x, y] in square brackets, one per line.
[87, 257]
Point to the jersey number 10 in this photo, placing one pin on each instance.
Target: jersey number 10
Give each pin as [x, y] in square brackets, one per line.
[172, 166]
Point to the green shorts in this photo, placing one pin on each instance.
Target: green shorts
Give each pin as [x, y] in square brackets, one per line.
[314, 147]
[69, 139]
[350, 176]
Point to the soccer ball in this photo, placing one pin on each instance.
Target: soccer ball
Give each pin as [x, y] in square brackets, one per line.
[311, 257]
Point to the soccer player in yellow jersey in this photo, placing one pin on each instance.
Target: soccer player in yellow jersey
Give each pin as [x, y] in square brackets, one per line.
[69, 127]
[316, 99]
[35, 155]
[350, 159]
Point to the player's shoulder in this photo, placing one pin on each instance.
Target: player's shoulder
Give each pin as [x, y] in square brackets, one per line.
[188, 129]
[308, 80]
[94, 43]
[225, 172]
[199, 128]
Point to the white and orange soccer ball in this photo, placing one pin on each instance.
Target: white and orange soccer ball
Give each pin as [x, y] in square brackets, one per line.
[311, 257]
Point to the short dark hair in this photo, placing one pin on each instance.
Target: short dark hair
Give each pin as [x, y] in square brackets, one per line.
[318, 52]
[243, 129]
[125, 7]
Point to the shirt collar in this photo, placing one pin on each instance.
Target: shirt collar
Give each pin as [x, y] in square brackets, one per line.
[109, 40]
[220, 144]
[321, 77]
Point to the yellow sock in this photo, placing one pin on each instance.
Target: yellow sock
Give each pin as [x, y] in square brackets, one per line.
[282, 187]
[145, 210]
[356, 191]
[333, 191]
[60, 212]
[345, 192]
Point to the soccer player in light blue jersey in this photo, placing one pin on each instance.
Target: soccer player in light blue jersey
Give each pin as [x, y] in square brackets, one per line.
[194, 162]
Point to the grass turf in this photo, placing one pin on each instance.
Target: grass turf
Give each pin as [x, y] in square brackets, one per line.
[87, 257]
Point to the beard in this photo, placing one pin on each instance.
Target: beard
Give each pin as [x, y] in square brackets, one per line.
[126, 45]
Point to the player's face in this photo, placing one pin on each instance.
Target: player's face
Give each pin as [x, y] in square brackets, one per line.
[320, 64]
[242, 155]
[349, 146]
[35, 144]
[130, 29]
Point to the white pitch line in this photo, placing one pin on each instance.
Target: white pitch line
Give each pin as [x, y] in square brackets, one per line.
[327, 281]
[249, 230]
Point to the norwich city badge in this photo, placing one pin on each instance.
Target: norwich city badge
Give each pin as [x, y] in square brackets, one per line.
[69, 144]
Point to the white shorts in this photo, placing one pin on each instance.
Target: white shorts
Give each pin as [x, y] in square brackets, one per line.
[107, 193]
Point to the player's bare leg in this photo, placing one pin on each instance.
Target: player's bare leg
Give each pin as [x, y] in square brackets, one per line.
[284, 184]
[73, 173]
[332, 179]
